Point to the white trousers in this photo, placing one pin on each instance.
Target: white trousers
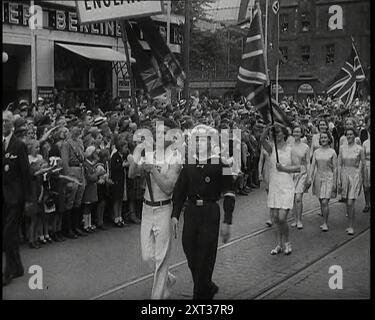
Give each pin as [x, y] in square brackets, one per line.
[156, 231]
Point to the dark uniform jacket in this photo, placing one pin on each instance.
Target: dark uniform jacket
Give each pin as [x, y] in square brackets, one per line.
[16, 173]
[202, 181]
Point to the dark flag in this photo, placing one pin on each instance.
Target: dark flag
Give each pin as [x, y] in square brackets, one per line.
[171, 72]
[146, 70]
[344, 86]
[274, 26]
[252, 80]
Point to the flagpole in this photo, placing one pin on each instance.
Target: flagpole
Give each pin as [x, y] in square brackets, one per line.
[169, 7]
[268, 80]
[266, 34]
[130, 73]
[187, 50]
[355, 49]
[278, 58]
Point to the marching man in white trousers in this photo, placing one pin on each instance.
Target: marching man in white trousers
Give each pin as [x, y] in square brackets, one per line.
[156, 228]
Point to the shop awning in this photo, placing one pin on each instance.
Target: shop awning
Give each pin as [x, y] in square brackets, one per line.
[96, 53]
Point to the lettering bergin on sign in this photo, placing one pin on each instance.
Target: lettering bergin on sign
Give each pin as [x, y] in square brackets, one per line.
[90, 11]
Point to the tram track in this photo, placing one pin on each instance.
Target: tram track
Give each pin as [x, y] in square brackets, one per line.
[288, 278]
[253, 234]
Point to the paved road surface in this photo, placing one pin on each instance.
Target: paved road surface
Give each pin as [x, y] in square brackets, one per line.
[108, 265]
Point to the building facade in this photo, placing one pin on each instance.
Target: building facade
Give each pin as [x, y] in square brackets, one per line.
[61, 69]
[315, 40]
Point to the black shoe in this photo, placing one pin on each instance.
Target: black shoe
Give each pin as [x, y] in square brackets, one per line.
[214, 289]
[34, 245]
[60, 237]
[103, 228]
[243, 193]
[7, 280]
[80, 233]
[19, 274]
[71, 235]
[57, 237]
[134, 219]
[366, 208]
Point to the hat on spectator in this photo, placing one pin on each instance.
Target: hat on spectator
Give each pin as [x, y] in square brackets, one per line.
[23, 102]
[89, 151]
[94, 130]
[40, 99]
[99, 121]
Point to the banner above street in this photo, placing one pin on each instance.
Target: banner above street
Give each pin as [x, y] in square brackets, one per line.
[97, 11]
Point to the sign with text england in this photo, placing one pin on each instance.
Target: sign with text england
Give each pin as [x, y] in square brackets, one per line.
[97, 11]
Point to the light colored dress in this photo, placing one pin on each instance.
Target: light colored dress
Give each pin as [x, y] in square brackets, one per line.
[281, 185]
[344, 140]
[366, 148]
[300, 178]
[351, 176]
[323, 179]
[315, 144]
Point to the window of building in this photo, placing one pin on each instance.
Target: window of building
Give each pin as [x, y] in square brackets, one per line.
[330, 54]
[305, 54]
[284, 55]
[284, 23]
[305, 22]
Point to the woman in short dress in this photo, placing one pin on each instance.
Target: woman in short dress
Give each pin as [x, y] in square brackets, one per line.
[367, 172]
[301, 181]
[36, 162]
[323, 173]
[351, 162]
[281, 186]
[315, 140]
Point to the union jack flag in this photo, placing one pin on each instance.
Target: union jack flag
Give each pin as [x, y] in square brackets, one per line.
[344, 85]
[252, 80]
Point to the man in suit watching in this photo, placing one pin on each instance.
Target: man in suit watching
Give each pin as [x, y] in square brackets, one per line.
[16, 196]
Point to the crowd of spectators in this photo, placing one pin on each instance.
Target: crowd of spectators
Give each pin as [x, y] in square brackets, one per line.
[105, 136]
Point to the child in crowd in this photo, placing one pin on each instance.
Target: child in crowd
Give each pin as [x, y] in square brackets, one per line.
[90, 196]
[118, 176]
[104, 182]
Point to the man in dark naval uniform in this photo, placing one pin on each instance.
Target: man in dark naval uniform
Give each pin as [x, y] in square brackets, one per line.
[202, 183]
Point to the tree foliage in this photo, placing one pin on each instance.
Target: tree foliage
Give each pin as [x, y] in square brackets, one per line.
[197, 8]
